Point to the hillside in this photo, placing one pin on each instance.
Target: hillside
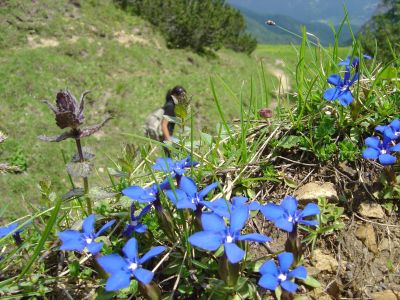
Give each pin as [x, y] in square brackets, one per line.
[50, 45]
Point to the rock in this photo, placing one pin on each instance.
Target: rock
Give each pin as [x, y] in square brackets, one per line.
[349, 170]
[384, 244]
[386, 295]
[366, 234]
[371, 210]
[312, 190]
[325, 262]
[319, 294]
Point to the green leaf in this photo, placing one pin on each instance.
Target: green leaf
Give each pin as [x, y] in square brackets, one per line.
[200, 264]
[79, 169]
[289, 141]
[311, 282]
[290, 182]
[74, 193]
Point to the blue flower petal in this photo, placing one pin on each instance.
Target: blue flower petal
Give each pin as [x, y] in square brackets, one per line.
[238, 218]
[206, 240]
[131, 249]
[164, 164]
[331, 94]
[269, 267]
[254, 237]
[73, 245]
[188, 186]
[255, 205]
[372, 142]
[139, 194]
[112, 263]
[105, 227]
[334, 79]
[212, 222]
[311, 209]
[395, 148]
[269, 282]
[7, 229]
[88, 225]
[285, 261]
[176, 195]
[284, 224]
[118, 281]
[299, 272]
[239, 200]
[395, 124]
[370, 153]
[233, 252]
[289, 204]
[272, 212]
[70, 235]
[289, 286]
[143, 275]
[151, 253]
[390, 133]
[380, 128]
[208, 189]
[140, 228]
[94, 247]
[387, 159]
[345, 98]
[219, 206]
[185, 204]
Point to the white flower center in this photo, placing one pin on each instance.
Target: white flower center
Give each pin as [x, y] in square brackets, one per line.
[290, 219]
[89, 240]
[133, 266]
[282, 277]
[229, 239]
[345, 87]
[383, 151]
[134, 223]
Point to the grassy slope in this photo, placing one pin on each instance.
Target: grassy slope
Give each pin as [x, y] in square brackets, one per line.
[126, 80]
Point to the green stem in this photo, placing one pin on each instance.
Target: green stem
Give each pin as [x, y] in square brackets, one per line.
[85, 179]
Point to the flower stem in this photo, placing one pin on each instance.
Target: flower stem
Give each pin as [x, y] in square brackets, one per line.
[85, 179]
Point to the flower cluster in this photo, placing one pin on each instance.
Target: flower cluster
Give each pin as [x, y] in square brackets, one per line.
[381, 149]
[341, 90]
[222, 223]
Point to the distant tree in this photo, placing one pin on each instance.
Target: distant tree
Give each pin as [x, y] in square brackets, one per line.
[385, 29]
[199, 25]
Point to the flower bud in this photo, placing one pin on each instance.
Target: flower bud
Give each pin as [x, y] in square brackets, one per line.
[265, 113]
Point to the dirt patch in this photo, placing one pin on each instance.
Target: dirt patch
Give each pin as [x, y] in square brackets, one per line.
[35, 41]
[129, 38]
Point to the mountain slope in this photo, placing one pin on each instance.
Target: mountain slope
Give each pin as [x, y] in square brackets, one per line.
[273, 35]
[50, 45]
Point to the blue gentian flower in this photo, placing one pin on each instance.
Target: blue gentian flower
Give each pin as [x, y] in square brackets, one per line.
[392, 130]
[216, 233]
[355, 62]
[167, 165]
[5, 230]
[122, 268]
[273, 276]
[145, 195]
[187, 196]
[341, 91]
[223, 207]
[134, 223]
[76, 240]
[286, 215]
[378, 149]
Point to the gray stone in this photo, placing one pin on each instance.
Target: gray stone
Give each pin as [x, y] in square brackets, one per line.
[371, 210]
[312, 190]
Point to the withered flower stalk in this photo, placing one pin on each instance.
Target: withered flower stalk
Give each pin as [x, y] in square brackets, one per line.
[69, 114]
